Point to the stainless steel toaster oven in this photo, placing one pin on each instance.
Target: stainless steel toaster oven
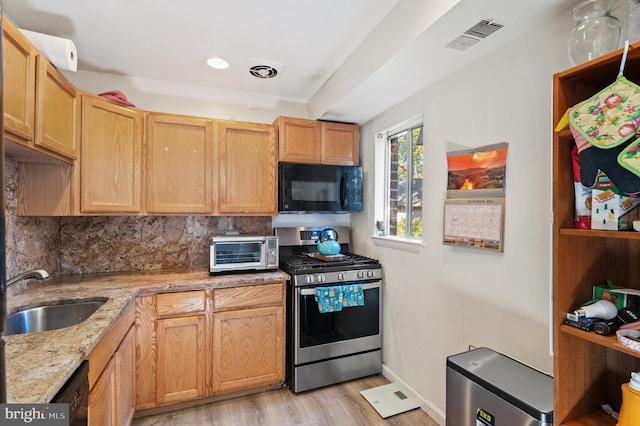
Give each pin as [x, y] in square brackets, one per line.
[242, 252]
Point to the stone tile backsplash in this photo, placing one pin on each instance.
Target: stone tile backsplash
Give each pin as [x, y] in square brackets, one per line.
[115, 244]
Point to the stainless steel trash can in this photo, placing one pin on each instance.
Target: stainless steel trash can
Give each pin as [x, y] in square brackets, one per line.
[487, 388]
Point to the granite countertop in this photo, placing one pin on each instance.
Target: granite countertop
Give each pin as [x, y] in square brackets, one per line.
[39, 364]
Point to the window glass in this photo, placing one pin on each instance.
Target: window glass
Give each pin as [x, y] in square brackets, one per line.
[403, 206]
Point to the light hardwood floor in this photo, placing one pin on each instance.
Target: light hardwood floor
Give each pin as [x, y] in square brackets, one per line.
[336, 405]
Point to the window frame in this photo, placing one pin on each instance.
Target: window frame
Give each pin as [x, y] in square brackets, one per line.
[382, 212]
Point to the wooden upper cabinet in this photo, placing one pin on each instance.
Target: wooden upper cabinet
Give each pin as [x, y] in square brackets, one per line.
[179, 164]
[247, 169]
[57, 111]
[317, 142]
[298, 140]
[41, 107]
[111, 160]
[340, 143]
[19, 84]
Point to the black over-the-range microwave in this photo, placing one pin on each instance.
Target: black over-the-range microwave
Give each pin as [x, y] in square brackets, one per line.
[316, 188]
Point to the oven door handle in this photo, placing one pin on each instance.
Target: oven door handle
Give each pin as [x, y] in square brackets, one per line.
[312, 291]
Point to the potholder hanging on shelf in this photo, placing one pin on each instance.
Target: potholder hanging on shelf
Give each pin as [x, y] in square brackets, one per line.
[629, 158]
[610, 117]
[603, 126]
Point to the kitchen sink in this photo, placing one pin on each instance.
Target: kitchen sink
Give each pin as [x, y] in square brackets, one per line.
[50, 317]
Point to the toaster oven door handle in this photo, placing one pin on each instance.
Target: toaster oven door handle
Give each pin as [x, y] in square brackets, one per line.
[312, 291]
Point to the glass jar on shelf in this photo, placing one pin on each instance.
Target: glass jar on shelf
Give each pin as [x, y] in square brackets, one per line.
[596, 33]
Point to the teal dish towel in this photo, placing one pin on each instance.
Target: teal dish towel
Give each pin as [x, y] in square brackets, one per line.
[329, 299]
[352, 295]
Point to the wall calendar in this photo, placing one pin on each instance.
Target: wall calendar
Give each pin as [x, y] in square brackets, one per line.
[474, 223]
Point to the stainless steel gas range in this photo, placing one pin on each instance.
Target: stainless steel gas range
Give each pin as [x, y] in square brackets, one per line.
[327, 347]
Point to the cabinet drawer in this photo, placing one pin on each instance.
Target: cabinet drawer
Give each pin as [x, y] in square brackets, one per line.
[249, 296]
[187, 302]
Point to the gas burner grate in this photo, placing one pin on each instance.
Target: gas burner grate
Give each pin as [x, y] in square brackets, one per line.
[303, 263]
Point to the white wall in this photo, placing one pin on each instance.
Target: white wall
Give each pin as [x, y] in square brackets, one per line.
[441, 300]
[176, 98]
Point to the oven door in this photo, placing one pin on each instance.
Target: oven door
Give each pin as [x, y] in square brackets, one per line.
[321, 336]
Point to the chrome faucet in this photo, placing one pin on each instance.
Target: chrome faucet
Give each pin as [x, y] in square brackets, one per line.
[40, 274]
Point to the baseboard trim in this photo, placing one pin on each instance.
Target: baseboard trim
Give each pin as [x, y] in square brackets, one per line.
[427, 406]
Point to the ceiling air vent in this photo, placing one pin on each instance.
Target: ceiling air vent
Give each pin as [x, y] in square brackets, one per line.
[265, 69]
[473, 35]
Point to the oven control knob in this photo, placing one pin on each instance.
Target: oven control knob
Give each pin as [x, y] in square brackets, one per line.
[370, 274]
[340, 276]
[309, 279]
[360, 274]
[321, 278]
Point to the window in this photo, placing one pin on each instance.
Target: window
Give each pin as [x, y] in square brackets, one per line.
[403, 183]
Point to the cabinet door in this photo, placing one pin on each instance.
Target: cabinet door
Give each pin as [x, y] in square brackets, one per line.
[146, 345]
[248, 348]
[181, 359]
[179, 164]
[340, 144]
[299, 140]
[247, 169]
[19, 59]
[102, 403]
[111, 159]
[126, 379]
[57, 111]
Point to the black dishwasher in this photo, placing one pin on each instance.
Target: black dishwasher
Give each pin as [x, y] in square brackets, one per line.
[75, 392]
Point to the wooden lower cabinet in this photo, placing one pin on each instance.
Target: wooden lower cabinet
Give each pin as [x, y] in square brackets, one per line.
[181, 359]
[247, 348]
[102, 398]
[111, 399]
[126, 379]
[199, 344]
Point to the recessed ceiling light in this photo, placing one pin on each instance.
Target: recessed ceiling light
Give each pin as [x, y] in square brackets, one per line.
[218, 63]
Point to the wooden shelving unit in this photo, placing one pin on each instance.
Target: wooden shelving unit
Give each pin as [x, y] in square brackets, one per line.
[588, 368]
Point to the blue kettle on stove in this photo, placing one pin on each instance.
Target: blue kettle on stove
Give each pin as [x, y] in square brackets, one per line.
[328, 244]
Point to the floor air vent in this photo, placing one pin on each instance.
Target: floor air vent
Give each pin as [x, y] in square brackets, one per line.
[473, 35]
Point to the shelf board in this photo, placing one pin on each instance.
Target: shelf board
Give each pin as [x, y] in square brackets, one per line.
[625, 235]
[610, 342]
[565, 134]
[599, 418]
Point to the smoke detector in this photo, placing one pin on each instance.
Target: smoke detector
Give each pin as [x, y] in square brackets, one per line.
[475, 34]
[265, 69]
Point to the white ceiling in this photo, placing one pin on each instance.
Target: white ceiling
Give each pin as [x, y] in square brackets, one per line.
[348, 60]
